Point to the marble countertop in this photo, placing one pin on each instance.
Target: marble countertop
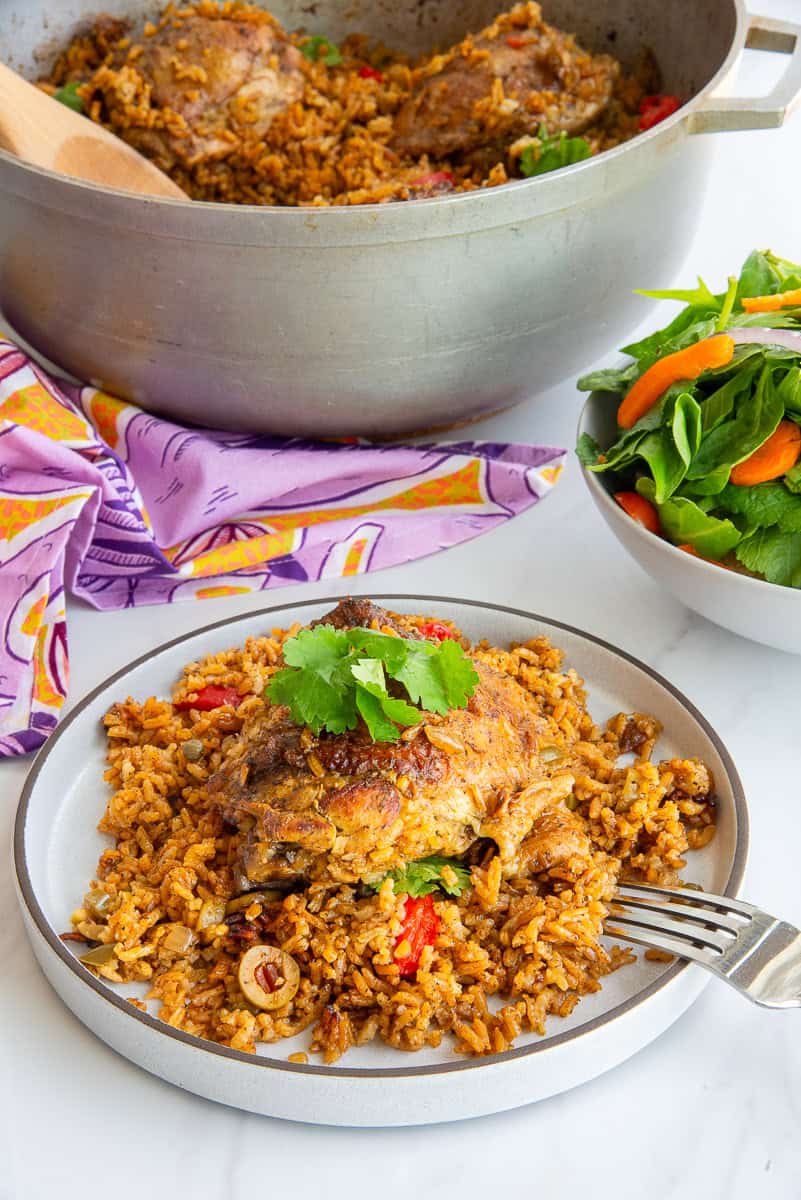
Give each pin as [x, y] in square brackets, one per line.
[711, 1109]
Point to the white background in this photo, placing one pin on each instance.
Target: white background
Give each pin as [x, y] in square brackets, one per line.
[712, 1110]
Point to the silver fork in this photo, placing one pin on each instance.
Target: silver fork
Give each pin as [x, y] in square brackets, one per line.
[757, 954]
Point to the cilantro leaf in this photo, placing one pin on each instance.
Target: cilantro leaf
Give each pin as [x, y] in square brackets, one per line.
[773, 554]
[390, 650]
[334, 676]
[379, 725]
[319, 49]
[380, 711]
[764, 505]
[313, 701]
[459, 676]
[320, 648]
[551, 152]
[423, 877]
[422, 681]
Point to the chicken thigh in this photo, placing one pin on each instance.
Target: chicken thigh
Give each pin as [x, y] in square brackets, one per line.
[342, 808]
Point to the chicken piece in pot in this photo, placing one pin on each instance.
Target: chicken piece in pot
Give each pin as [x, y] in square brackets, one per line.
[502, 84]
[217, 76]
[342, 808]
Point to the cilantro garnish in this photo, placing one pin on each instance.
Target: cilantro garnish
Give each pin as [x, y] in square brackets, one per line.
[334, 676]
[550, 152]
[425, 876]
[319, 49]
[68, 95]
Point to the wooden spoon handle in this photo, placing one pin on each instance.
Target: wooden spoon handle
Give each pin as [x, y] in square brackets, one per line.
[47, 134]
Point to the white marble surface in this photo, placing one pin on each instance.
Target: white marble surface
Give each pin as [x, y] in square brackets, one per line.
[711, 1110]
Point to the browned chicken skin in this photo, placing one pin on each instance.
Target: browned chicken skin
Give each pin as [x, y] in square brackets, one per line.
[342, 808]
[216, 75]
[546, 78]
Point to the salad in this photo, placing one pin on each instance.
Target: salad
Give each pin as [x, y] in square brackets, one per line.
[708, 447]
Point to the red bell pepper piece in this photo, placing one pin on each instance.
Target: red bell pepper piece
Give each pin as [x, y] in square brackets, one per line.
[515, 42]
[209, 697]
[371, 73]
[654, 109]
[419, 929]
[435, 179]
[435, 631]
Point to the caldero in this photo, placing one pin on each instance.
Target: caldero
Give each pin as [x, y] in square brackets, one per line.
[381, 319]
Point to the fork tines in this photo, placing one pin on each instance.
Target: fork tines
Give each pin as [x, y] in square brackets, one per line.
[683, 921]
[756, 953]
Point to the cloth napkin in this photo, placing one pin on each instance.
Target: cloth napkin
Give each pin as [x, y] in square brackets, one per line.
[122, 508]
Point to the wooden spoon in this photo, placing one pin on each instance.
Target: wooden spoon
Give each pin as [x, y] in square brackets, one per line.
[46, 133]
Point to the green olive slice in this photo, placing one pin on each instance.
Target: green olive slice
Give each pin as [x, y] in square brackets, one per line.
[98, 956]
[268, 977]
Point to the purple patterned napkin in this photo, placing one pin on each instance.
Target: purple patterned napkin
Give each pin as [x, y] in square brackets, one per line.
[123, 508]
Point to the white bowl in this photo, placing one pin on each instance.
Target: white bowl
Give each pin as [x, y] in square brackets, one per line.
[753, 608]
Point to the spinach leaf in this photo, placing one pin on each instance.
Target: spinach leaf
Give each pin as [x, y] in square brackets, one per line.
[710, 485]
[792, 479]
[686, 426]
[764, 505]
[611, 379]
[622, 454]
[773, 554]
[759, 276]
[717, 407]
[665, 462]
[789, 271]
[691, 325]
[789, 391]
[732, 441]
[587, 450]
[685, 522]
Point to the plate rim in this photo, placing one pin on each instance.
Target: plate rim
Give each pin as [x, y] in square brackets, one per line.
[27, 894]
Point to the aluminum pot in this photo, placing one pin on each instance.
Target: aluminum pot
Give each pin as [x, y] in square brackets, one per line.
[381, 319]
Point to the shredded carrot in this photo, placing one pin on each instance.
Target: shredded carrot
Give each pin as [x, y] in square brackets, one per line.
[690, 549]
[640, 510]
[771, 303]
[715, 351]
[713, 562]
[772, 459]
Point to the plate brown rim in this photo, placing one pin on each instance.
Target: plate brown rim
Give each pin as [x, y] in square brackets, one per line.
[28, 895]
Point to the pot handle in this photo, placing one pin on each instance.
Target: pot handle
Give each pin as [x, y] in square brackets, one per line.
[721, 114]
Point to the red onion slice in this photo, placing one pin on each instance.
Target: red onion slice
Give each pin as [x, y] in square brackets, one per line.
[788, 339]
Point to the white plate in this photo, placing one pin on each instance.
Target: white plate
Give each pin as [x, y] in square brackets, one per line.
[57, 846]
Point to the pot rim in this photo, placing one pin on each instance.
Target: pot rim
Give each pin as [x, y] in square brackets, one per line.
[437, 216]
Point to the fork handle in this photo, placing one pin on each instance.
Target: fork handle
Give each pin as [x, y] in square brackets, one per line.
[768, 970]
